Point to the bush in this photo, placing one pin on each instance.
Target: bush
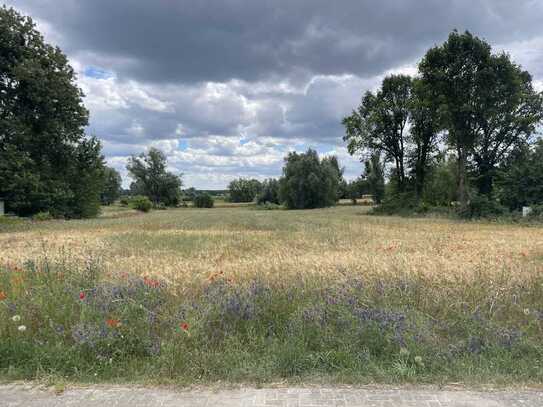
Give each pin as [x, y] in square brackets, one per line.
[269, 206]
[141, 203]
[42, 216]
[125, 200]
[481, 206]
[204, 201]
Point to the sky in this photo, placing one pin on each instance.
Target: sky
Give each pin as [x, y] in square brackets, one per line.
[226, 88]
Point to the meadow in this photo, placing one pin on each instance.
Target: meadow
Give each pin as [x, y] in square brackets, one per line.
[237, 294]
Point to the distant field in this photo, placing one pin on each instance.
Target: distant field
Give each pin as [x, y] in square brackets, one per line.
[270, 294]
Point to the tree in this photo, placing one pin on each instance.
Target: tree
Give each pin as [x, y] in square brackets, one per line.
[269, 192]
[308, 182]
[379, 124]
[509, 112]
[204, 200]
[152, 180]
[487, 104]
[425, 128]
[342, 184]
[521, 178]
[244, 190]
[47, 163]
[375, 176]
[112, 186]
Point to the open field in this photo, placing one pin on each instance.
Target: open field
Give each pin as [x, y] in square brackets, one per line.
[190, 244]
[338, 293]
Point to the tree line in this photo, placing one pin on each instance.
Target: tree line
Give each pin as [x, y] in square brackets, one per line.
[466, 105]
[462, 132]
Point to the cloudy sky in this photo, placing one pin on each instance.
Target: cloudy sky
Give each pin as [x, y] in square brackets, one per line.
[227, 88]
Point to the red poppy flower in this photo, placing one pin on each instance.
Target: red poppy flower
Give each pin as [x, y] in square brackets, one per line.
[82, 295]
[184, 326]
[113, 323]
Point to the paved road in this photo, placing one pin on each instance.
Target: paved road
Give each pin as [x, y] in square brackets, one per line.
[28, 396]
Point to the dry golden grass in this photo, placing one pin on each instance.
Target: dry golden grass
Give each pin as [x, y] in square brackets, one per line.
[189, 244]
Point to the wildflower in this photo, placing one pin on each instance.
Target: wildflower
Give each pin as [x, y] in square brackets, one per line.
[151, 282]
[418, 360]
[3, 296]
[16, 318]
[184, 326]
[21, 328]
[82, 295]
[113, 323]
[526, 311]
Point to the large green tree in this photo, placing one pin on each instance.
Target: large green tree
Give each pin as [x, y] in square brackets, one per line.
[244, 190]
[487, 104]
[308, 182]
[379, 124]
[46, 161]
[151, 178]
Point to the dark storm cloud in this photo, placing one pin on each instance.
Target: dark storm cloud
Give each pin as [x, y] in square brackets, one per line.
[205, 40]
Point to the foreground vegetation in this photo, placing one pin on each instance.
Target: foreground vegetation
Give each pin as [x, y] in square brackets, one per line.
[238, 294]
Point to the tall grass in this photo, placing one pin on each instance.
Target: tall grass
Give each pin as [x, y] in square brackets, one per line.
[86, 324]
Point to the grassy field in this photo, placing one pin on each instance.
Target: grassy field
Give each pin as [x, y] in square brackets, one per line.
[239, 294]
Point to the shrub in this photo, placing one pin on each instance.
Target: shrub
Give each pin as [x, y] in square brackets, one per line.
[42, 216]
[141, 203]
[481, 206]
[125, 200]
[269, 206]
[204, 201]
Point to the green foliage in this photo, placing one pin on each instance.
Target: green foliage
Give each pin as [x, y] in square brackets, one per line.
[269, 193]
[112, 186]
[488, 104]
[42, 216]
[244, 190]
[441, 183]
[140, 203]
[152, 180]
[204, 200]
[308, 182]
[375, 177]
[379, 124]
[482, 206]
[520, 179]
[46, 161]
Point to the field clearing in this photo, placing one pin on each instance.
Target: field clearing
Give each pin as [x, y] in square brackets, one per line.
[186, 244]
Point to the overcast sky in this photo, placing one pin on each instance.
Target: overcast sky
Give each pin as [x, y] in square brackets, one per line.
[227, 88]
